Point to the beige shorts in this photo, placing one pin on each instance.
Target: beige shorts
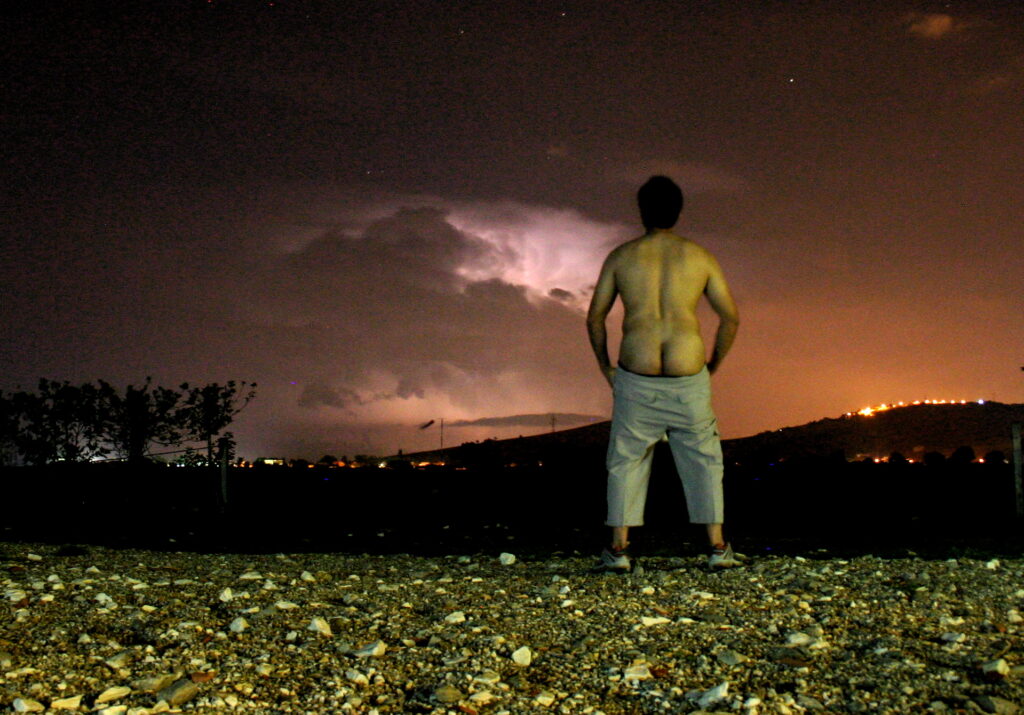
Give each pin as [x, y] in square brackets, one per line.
[646, 410]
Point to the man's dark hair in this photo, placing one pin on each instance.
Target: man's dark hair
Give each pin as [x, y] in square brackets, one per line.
[660, 201]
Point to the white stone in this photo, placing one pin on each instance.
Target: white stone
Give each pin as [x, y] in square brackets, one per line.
[996, 667]
[992, 565]
[105, 600]
[320, 625]
[522, 656]
[799, 639]
[250, 576]
[716, 694]
[455, 617]
[115, 693]
[545, 698]
[372, 650]
[483, 697]
[507, 559]
[307, 576]
[34, 557]
[731, 657]
[488, 677]
[637, 671]
[285, 605]
[15, 594]
[71, 703]
[113, 710]
[239, 624]
[953, 637]
[24, 705]
[653, 620]
[357, 677]
[226, 595]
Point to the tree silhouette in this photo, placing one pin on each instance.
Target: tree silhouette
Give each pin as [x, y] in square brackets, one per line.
[9, 420]
[209, 409]
[140, 417]
[60, 423]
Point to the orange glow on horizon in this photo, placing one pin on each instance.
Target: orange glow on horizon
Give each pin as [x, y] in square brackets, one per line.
[885, 406]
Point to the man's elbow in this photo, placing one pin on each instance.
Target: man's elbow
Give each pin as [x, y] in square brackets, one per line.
[729, 317]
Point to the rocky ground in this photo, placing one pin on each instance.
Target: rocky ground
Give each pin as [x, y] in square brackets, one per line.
[122, 631]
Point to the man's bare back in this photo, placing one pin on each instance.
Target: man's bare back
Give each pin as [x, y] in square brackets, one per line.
[660, 277]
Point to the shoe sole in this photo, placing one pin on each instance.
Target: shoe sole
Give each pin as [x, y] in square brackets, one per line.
[611, 569]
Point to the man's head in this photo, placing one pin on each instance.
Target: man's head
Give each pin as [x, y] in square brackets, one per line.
[660, 201]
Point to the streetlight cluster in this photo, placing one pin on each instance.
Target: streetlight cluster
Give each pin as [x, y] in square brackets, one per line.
[870, 411]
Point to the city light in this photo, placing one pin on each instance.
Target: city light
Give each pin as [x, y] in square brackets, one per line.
[885, 406]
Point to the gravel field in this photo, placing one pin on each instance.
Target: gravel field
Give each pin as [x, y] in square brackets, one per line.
[125, 631]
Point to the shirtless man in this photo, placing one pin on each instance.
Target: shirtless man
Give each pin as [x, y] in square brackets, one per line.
[662, 384]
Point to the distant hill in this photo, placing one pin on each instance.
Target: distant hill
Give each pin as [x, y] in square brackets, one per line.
[913, 431]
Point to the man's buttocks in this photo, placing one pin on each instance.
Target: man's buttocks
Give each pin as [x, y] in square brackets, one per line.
[647, 353]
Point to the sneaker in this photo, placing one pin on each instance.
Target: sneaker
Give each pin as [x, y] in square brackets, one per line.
[723, 557]
[616, 560]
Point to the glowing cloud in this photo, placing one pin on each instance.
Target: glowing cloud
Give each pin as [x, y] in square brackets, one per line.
[932, 26]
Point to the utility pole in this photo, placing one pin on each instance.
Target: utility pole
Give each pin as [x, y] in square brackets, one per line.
[1018, 483]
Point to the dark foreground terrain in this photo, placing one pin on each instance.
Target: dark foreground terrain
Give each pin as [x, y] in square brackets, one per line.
[941, 509]
[869, 588]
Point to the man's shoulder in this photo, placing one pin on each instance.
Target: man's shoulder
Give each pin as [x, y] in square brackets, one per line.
[648, 243]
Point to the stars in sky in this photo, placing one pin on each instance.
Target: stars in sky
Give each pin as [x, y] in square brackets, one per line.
[384, 199]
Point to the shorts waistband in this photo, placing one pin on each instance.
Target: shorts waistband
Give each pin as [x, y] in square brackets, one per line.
[663, 379]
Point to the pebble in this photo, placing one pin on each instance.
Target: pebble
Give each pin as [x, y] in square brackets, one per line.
[321, 626]
[448, 694]
[637, 671]
[731, 657]
[483, 697]
[111, 694]
[522, 656]
[545, 698]
[178, 692]
[372, 650]
[71, 703]
[716, 695]
[380, 634]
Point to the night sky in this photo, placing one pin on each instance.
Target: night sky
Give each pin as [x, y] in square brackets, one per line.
[391, 212]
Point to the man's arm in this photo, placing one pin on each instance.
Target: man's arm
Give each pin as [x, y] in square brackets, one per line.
[600, 303]
[720, 298]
